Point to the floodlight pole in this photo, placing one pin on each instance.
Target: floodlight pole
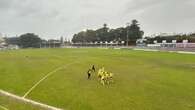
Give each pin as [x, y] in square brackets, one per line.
[128, 24]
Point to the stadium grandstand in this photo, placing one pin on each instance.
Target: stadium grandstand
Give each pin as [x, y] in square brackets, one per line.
[185, 45]
[2, 43]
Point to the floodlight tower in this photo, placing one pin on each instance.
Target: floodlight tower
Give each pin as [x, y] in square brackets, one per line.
[128, 24]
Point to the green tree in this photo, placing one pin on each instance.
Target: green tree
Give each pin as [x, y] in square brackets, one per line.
[134, 31]
[107, 34]
[80, 37]
[90, 36]
[102, 33]
[30, 40]
[13, 40]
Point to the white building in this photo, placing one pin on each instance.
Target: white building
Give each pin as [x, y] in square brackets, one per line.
[2, 42]
[141, 42]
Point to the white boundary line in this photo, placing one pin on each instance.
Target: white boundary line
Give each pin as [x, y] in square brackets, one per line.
[149, 50]
[46, 76]
[24, 99]
[185, 52]
[154, 50]
[3, 107]
[48, 107]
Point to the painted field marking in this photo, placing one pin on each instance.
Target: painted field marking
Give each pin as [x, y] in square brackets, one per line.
[4, 108]
[46, 76]
[154, 50]
[185, 52]
[25, 100]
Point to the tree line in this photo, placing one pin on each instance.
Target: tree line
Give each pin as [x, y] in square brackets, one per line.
[28, 40]
[105, 33]
[132, 31]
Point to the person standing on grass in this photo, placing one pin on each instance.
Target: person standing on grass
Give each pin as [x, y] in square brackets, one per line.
[93, 68]
[89, 73]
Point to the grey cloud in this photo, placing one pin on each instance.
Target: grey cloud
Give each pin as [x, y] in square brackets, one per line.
[163, 15]
[5, 4]
[54, 18]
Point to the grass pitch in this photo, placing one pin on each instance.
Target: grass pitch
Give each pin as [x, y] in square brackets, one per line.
[142, 80]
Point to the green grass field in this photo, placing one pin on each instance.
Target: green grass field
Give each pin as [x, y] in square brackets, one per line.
[142, 80]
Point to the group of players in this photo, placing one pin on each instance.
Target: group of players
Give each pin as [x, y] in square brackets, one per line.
[104, 76]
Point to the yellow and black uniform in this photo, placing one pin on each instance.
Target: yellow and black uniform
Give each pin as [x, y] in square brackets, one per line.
[93, 68]
[89, 73]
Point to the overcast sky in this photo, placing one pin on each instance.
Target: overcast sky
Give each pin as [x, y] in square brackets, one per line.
[55, 18]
